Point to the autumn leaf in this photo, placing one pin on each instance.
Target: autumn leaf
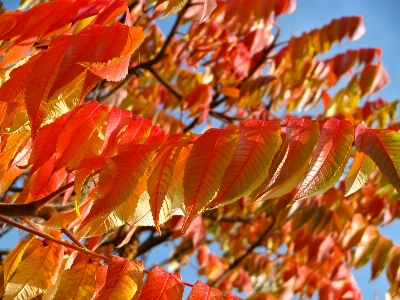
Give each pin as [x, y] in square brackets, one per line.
[201, 291]
[34, 274]
[382, 147]
[292, 161]
[78, 282]
[204, 169]
[359, 173]
[329, 159]
[124, 278]
[257, 144]
[162, 285]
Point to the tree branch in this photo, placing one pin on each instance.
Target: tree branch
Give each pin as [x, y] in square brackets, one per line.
[169, 87]
[238, 260]
[51, 238]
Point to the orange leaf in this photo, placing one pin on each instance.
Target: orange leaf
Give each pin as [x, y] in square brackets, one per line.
[354, 232]
[124, 278]
[359, 173]
[366, 246]
[161, 174]
[78, 282]
[73, 142]
[117, 118]
[207, 162]
[292, 161]
[329, 159]
[383, 147]
[14, 258]
[380, 256]
[201, 291]
[119, 189]
[136, 132]
[256, 146]
[88, 166]
[162, 285]
[198, 101]
[34, 274]
[42, 182]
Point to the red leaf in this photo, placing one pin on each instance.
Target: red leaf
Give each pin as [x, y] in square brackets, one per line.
[162, 285]
[117, 119]
[291, 164]
[329, 159]
[201, 291]
[46, 140]
[161, 175]
[380, 256]
[119, 189]
[204, 169]
[73, 142]
[257, 144]
[383, 147]
[124, 278]
[136, 133]
[198, 101]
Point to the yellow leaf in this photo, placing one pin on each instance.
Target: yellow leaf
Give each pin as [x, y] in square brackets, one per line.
[34, 274]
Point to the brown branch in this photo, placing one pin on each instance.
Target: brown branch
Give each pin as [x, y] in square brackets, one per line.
[263, 58]
[37, 208]
[51, 238]
[169, 87]
[153, 242]
[191, 125]
[72, 237]
[238, 260]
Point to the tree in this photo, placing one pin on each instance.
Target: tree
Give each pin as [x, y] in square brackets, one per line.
[98, 145]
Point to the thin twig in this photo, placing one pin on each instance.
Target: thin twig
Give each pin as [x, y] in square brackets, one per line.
[51, 238]
[238, 260]
[72, 237]
[169, 87]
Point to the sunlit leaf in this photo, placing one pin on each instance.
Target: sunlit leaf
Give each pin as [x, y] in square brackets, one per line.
[124, 278]
[383, 147]
[201, 291]
[359, 173]
[34, 273]
[256, 146]
[78, 282]
[329, 159]
[205, 168]
[162, 285]
[292, 161]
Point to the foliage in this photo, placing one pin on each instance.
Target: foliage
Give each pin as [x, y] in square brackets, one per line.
[99, 143]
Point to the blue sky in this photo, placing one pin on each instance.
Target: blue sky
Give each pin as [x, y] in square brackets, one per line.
[382, 30]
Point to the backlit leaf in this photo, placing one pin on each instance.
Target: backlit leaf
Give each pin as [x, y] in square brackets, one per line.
[359, 173]
[383, 147]
[34, 273]
[161, 173]
[124, 278]
[13, 258]
[380, 256]
[119, 189]
[292, 161]
[78, 282]
[201, 291]
[162, 285]
[329, 159]
[205, 168]
[256, 146]
[366, 246]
